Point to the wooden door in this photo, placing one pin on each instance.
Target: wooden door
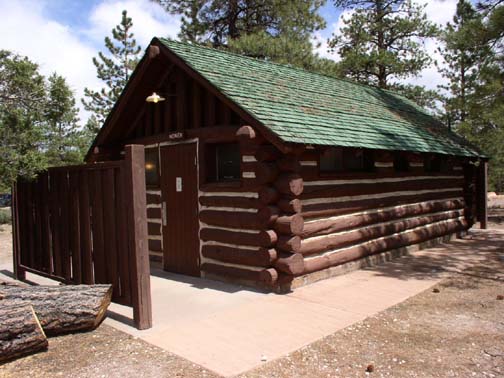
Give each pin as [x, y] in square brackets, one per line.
[179, 191]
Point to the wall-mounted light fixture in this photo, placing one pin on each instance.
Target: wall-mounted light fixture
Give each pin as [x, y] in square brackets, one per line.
[154, 98]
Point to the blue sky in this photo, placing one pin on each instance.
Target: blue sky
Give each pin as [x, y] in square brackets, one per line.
[64, 35]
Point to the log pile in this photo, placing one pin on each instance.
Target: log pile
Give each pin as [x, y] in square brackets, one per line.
[29, 313]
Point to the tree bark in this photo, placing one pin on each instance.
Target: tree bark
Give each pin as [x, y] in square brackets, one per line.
[20, 331]
[62, 309]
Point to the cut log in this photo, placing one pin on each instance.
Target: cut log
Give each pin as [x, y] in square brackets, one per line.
[289, 243]
[290, 206]
[247, 134]
[268, 195]
[290, 263]
[63, 309]
[290, 184]
[289, 224]
[20, 331]
[268, 276]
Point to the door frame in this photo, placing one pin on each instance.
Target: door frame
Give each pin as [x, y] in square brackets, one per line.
[197, 146]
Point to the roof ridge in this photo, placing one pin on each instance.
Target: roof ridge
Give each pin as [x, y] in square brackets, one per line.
[347, 80]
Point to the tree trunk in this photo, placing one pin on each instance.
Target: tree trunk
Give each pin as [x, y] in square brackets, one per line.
[62, 309]
[20, 331]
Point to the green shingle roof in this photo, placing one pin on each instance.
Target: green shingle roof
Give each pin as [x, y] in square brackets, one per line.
[305, 107]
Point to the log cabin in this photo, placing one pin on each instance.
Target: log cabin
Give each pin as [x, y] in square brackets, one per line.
[272, 176]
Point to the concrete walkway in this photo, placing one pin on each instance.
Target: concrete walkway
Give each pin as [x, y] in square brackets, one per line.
[230, 330]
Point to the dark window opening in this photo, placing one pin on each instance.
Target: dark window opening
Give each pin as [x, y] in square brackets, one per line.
[401, 163]
[336, 159]
[152, 167]
[436, 163]
[222, 162]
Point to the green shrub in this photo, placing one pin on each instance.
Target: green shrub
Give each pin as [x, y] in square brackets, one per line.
[5, 216]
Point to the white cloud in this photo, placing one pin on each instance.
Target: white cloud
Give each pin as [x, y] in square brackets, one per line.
[149, 20]
[27, 29]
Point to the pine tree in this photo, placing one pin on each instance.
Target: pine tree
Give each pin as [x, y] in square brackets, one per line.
[381, 40]
[113, 68]
[276, 30]
[63, 136]
[462, 59]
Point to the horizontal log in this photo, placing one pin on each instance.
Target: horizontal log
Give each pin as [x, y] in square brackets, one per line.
[382, 245]
[154, 228]
[261, 257]
[268, 195]
[63, 309]
[153, 198]
[226, 201]
[339, 240]
[155, 245]
[236, 219]
[384, 175]
[212, 134]
[346, 207]
[268, 276]
[289, 224]
[332, 225]
[154, 213]
[377, 188]
[290, 263]
[290, 206]
[289, 243]
[267, 153]
[289, 164]
[260, 239]
[265, 277]
[290, 184]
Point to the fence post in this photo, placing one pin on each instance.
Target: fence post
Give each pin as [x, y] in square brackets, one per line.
[19, 273]
[482, 195]
[137, 235]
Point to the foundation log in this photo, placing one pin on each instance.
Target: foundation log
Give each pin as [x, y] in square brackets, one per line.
[268, 276]
[290, 263]
[262, 257]
[392, 242]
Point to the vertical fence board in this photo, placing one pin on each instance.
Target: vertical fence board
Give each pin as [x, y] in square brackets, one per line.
[88, 224]
[110, 229]
[85, 229]
[45, 225]
[122, 236]
[55, 223]
[97, 227]
[65, 226]
[74, 227]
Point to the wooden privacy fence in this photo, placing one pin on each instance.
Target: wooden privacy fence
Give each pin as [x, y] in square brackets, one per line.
[87, 224]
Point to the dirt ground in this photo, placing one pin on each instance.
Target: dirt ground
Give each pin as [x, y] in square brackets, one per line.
[455, 330]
